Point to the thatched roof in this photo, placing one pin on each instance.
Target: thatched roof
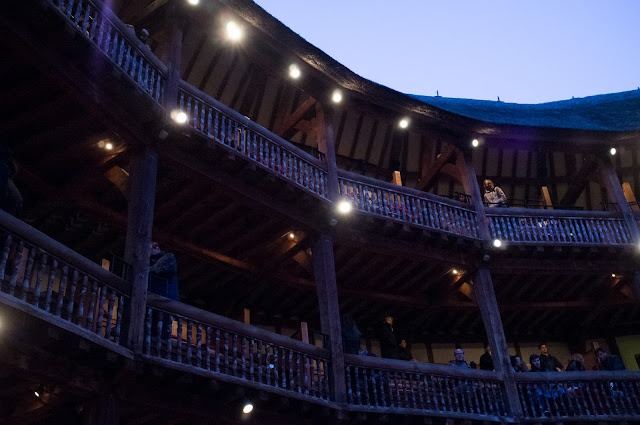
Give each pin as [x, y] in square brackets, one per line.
[605, 112]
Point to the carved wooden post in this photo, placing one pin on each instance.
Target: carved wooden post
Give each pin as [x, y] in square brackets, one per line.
[175, 54]
[484, 293]
[326, 144]
[144, 167]
[616, 195]
[325, 276]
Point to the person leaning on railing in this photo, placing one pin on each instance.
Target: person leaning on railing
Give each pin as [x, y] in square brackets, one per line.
[493, 195]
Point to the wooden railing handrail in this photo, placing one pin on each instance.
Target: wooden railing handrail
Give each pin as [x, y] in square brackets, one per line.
[52, 247]
[210, 101]
[403, 190]
[418, 367]
[600, 375]
[206, 317]
[527, 212]
[131, 38]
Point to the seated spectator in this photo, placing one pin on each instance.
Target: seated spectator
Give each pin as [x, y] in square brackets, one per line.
[388, 341]
[534, 360]
[459, 359]
[493, 195]
[548, 363]
[403, 351]
[609, 361]
[350, 335]
[486, 361]
[518, 365]
[576, 363]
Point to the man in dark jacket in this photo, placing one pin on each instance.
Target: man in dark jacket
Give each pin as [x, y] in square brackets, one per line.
[388, 341]
[163, 273]
[486, 361]
[403, 351]
[548, 363]
[609, 361]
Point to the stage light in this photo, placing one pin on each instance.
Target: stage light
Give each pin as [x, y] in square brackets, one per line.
[248, 408]
[344, 207]
[475, 143]
[179, 117]
[234, 32]
[404, 123]
[336, 97]
[294, 71]
[497, 243]
[613, 151]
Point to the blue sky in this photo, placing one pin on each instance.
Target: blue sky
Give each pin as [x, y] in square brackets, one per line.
[523, 51]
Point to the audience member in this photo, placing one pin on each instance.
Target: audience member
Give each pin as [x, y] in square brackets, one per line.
[609, 361]
[459, 361]
[548, 363]
[518, 365]
[350, 335]
[486, 361]
[493, 195]
[163, 273]
[534, 360]
[403, 351]
[576, 363]
[388, 341]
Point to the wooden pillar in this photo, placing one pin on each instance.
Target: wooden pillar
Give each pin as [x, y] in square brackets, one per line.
[616, 195]
[326, 141]
[170, 99]
[484, 292]
[486, 299]
[102, 410]
[144, 168]
[325, 277]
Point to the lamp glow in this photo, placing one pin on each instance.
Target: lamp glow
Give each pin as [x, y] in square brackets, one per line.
[234, 32]
[404, 123]
[475, 143]
[344, 207]
[36, 393]
[613, 275]
[497, 243]
[454, 271]
[108, 146]
[292, 235]
[248, 408]
[179, 117]
[294, 71]
[336, 97]
[193, 2]
[613, 151]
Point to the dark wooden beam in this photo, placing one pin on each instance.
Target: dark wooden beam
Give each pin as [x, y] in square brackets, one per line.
[579, 180]
[426, 180]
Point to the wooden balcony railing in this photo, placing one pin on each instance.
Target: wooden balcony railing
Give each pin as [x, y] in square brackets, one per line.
[96, 22]
[580, 395]
[204, 342]
[41, 276]
[407, 205]
[399, 386]
[243, 137]
[553, 227]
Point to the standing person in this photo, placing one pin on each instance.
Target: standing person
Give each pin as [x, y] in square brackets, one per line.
[548, 363]
[350, 335]
[576, 363]
[388, 341]
[163, 273]
[403, 351]
[493, 195]
[459, 361]
[534, 359]
[609, 361]
[486, 361]
[518, 365]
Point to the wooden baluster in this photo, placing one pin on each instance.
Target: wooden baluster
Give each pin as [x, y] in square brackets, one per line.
[74, 284]
[313, 377]
[482, 405]
[159, 325]
[259, 350]
[325, 379]
[291, 383]
[406, 390]
[147, 332]
[225, 347]
[17, 260]
[209, 130]
[283, 367]
[62, 289]
[235, 354]
[108, 314]
[5, 255]
[189, 342]
[268, 363]
[217, 353]
[356, 372]
[244, 354]
[302, 376]
[41, 266]
[119, 318]
[179, 341]
[252, 344]
[92, 306]
[207, 360]
[348, 376]
[216, 126]
[199, 346]
[203, 129]
[100, 310]
[83, 294]
[223, 129]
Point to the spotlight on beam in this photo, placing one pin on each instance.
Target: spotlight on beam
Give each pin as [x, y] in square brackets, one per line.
[497, 243]
[248, 408]
[294, 71]
[404, 123]
[234, 32]
[475, 143]
[179, 116]
[344, 207]
[613, 151]
[193, 2]
[336, 97]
